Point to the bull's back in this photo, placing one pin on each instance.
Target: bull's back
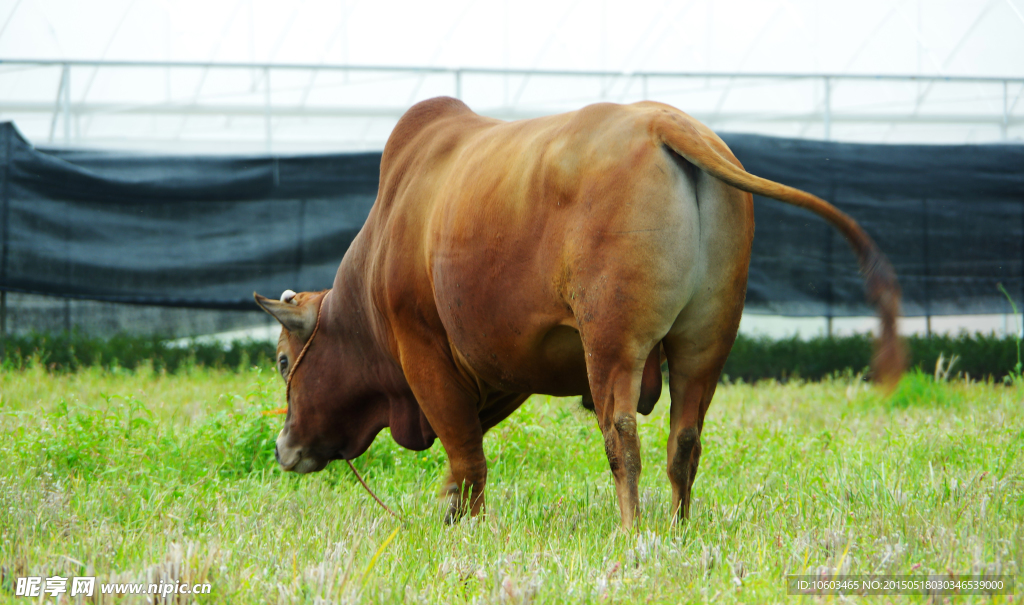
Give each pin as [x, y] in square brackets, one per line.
[517, 219]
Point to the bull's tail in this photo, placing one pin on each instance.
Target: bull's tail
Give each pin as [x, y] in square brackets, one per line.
[684, 135]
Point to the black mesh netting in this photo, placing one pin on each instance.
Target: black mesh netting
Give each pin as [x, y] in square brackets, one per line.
[206, 231]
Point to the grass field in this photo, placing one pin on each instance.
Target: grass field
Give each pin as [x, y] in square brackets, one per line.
[137, 476]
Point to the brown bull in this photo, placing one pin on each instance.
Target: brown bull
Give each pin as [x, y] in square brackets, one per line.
[561, 255]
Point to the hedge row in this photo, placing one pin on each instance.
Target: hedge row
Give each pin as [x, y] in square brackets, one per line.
[752, 359]
[978, 356]
[66, 351]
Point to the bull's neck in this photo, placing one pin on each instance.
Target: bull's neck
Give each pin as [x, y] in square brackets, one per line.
[362, 333]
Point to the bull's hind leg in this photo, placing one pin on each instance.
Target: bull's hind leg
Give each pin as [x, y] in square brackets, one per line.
[695, 362]
[624, 313]
[615, 385]
[617, 347]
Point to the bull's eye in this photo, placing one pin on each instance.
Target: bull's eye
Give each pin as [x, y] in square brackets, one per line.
[282, 365]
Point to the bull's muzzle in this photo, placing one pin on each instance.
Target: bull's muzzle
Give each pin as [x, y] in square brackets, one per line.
[294, 459]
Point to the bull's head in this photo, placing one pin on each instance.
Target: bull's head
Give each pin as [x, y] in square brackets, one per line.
[302, 445]
[342, 388]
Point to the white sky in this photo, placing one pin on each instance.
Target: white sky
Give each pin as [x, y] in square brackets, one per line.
[949, 37]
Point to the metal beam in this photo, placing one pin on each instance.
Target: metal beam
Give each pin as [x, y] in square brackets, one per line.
[827, 119]
[1006, 110]
[58, 103]
[252, 104]
[267, 109]
[417, 70]
[308, 111]
[66, 104]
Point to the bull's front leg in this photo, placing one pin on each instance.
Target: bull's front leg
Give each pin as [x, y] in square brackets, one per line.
[450, 404]
[458, 427]
[467, 477]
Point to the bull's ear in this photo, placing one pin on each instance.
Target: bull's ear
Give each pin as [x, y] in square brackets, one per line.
[299, 319]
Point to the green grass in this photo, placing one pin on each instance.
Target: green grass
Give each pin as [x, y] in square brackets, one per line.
[128, 474]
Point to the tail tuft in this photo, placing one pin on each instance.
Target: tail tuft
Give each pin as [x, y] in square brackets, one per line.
[883, 291]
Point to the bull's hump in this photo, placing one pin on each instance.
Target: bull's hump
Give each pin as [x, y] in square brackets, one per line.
[431, 109]
[422, 115]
